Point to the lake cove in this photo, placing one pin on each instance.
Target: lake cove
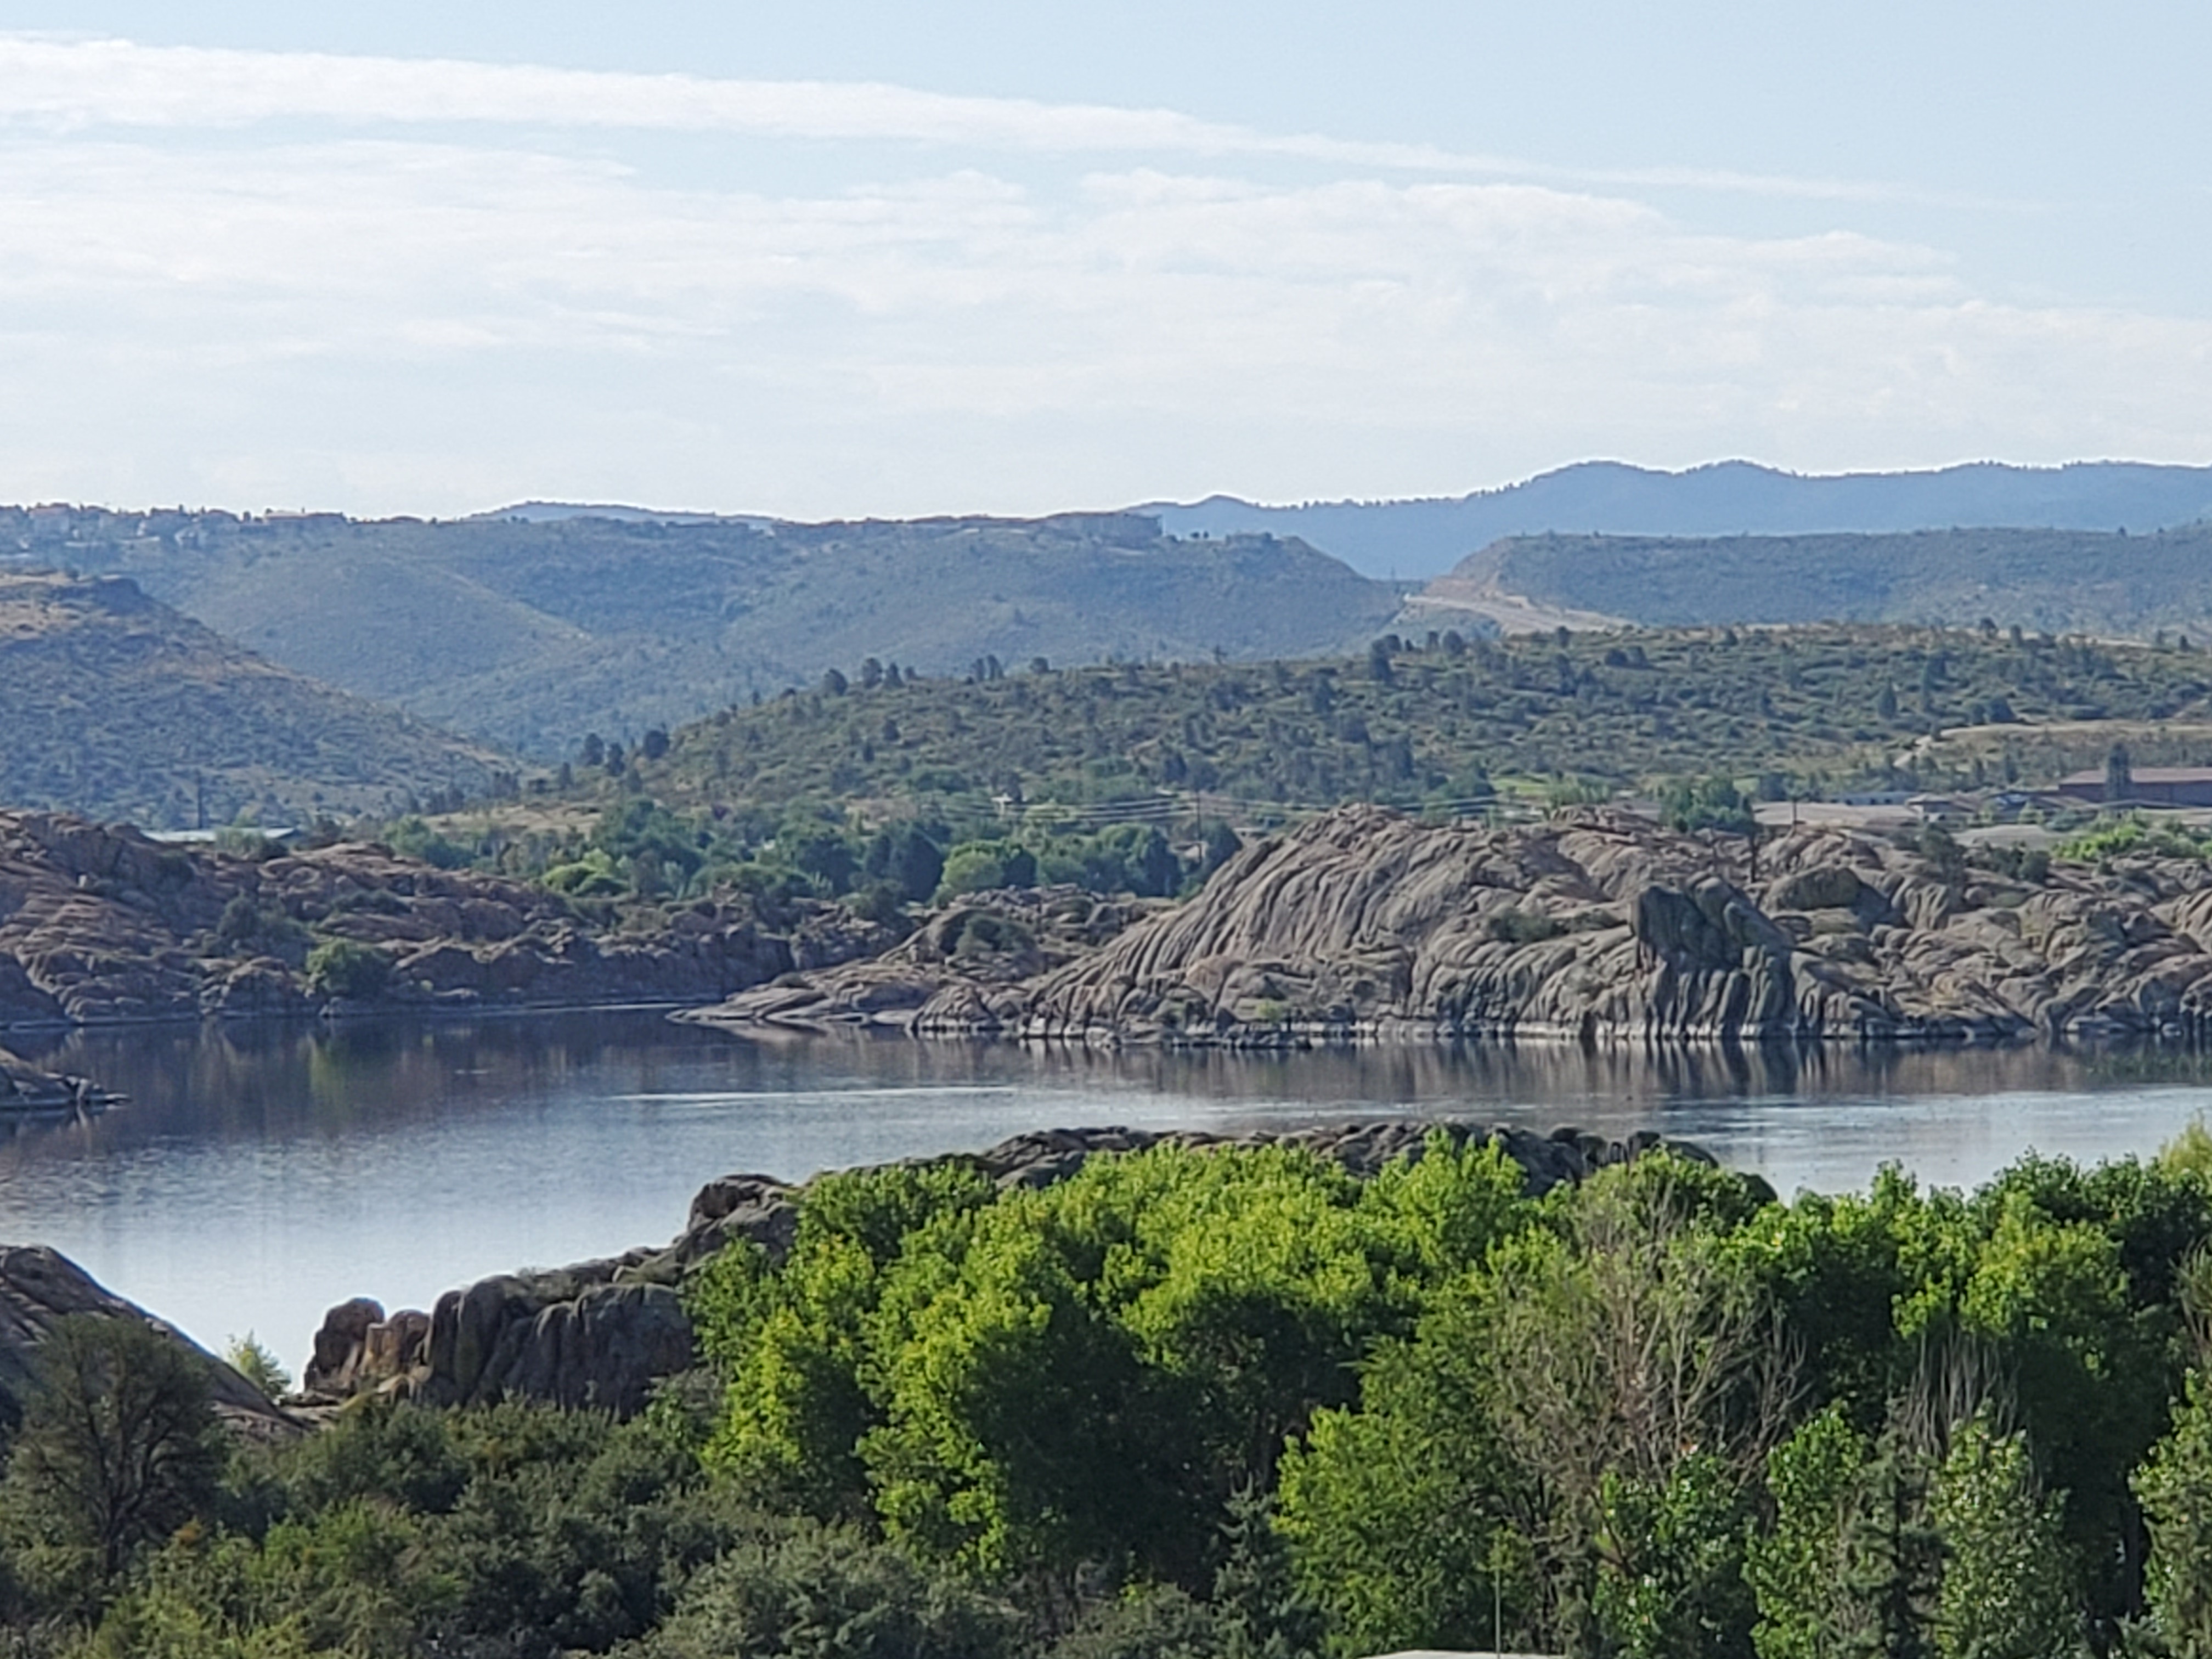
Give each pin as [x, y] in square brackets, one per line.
[257, 1177]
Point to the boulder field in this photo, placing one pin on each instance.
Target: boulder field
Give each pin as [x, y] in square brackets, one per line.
[102, 924]
[1599, 927]
[599, 1335]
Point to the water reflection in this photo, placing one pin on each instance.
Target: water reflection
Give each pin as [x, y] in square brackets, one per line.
[260, 1174]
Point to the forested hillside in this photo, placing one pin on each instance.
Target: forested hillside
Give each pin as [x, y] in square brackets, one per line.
[530, 634]
[2110, 584]
[1450, 720]
[116, 707]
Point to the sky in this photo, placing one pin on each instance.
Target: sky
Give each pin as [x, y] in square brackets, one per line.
[852, 258]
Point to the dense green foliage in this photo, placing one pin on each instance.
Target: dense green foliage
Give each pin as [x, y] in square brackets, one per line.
[1239, 1403]
[639, 850]
[2134, 833]
[1447, 720]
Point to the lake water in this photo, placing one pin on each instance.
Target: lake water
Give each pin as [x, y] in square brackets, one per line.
[257, 1177]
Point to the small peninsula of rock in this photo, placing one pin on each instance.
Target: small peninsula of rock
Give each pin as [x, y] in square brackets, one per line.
[1599, 927]
[597, 1335]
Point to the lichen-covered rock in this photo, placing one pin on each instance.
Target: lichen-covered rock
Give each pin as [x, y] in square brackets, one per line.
[1599, 927]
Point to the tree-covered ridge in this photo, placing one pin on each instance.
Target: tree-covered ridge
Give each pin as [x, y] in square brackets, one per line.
[527, 633]
[1445, 719]
[2105, 583]
[117, 706]
[1235, 1401]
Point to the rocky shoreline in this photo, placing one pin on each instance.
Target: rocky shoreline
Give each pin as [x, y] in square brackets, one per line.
[1361, 925]
[599, 1335]
[1365, 924]
[101, 925]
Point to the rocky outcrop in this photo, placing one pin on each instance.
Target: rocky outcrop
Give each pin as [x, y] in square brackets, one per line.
[39, 1286]
[599, 1335]
[966, 966]
[102, 924]
[1606, 928]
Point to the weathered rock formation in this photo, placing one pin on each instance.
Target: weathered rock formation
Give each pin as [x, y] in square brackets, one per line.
[600, 1333]
[1606, 928]
[102, 924]
[39, 1286]
[967, 965]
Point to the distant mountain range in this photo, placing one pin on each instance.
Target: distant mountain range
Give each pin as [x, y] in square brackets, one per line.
[1412, 539]
[527, 628]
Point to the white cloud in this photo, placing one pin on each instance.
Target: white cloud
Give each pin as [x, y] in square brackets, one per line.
[404, 320]
[79, 84]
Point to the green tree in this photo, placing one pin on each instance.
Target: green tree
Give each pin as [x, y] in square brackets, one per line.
[346, 968]
[1893, 1558]
[907, 857]
[820, 1593]
[1797, 1567]
[2009, 1589]
[2119, 775]
[1395, 1513]
[258, 1365]
[971, 867]
[1713, 803]
[2175, 1488]
[119, 1446]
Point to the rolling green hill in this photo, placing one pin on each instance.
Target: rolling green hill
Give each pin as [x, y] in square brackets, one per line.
[113, 705]
[532, 634]
[1450, 720]
[2112, 585]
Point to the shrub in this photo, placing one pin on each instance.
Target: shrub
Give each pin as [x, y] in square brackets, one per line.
[1518, 927]
[346, 968]
[258, 1365]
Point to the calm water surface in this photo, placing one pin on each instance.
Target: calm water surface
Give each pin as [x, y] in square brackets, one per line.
[256, 1177]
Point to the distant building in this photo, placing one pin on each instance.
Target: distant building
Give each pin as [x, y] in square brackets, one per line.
[2154, 785]
[1938, 809]
[1874, 797]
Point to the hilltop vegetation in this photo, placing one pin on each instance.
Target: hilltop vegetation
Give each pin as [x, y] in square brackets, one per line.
[116, 707]
[1452, 721]
[529, 634]
[1136, 779]
[2109, 584]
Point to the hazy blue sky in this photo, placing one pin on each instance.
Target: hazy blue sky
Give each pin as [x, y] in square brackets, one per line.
[841, 258]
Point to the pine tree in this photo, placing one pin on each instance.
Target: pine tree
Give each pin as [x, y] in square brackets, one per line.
[1894, 1560]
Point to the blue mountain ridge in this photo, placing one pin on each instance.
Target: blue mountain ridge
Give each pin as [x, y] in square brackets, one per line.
[1421, 539]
